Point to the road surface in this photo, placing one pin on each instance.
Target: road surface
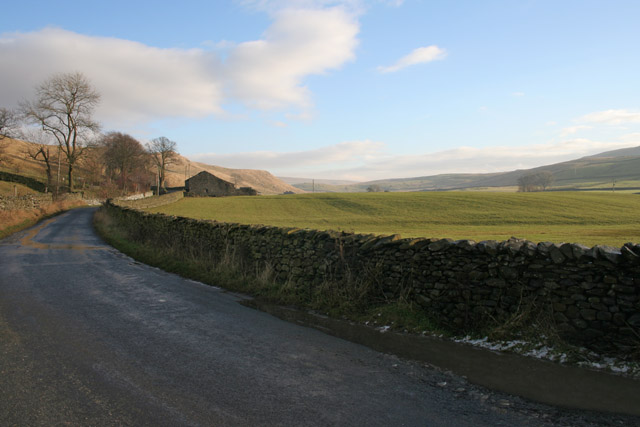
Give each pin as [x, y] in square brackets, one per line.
[90, 337]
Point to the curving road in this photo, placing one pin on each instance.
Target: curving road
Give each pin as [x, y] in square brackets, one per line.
[90, 337]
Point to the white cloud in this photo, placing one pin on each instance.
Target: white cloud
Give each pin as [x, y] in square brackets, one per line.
[612, 117]
[271, 6]
[633, 138]
[367, 160]
[268, 73]
[345, 153]
[140, 82]
[574, 129]
[136, 81]
[518, 94]
[420, 55]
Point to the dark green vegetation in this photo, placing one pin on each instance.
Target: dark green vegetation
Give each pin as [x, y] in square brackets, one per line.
[576, 217]
[597, 171]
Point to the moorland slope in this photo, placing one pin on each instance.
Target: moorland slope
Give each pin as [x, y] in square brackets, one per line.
[592, 172]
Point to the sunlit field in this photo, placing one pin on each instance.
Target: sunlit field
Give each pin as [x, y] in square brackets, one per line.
[575, 217]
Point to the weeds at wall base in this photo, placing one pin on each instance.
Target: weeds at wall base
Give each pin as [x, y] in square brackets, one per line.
[332, 298]
[347, 299]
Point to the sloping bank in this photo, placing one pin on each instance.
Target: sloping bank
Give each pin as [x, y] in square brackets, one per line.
[587, 296]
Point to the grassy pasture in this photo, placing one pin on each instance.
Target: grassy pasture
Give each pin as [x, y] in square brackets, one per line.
[7, 189]
[576, 217]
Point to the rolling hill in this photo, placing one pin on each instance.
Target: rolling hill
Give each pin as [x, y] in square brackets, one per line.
[17, 160]
[261, 180]
[593, 172]
[599, 171]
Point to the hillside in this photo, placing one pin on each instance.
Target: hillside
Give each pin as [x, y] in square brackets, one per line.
[592, 172]
[261, 180]
[18, 161]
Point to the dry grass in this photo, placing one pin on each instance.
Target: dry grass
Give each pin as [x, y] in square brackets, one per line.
[12, 221]
[10, 189]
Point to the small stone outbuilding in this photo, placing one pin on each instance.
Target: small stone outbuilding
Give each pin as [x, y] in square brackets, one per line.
[206, 184]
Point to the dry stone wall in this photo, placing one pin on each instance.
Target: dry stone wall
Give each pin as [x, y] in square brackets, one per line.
[29, 201]
[591, 295]
[149, 202]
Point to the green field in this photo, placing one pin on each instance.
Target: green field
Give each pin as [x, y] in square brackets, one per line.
[575, 217]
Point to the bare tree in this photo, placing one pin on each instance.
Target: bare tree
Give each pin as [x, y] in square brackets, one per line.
[41, 150]
[545, 179]
[8, 124]
[123, 156]
[163, 152]
[526, 183]
[63, 108]
[93, 167]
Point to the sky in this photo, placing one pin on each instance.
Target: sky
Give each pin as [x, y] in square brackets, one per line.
[350, 90]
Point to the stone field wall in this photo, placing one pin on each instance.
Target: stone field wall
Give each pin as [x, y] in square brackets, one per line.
[591, 295]
[36, 201]
[29, 201]
[150, 202]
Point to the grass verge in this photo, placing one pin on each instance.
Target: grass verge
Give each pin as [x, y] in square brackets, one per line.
[350, 299]
[12, 221]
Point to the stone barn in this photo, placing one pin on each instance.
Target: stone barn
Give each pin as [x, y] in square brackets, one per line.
[206, 184]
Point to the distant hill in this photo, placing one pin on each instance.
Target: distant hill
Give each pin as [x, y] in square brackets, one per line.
[262, 181]
[592, 172]
[18, 161]
[623, 152]
[293, 181]
[597, 171]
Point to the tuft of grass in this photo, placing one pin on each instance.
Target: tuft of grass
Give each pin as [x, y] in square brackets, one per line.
[574, 217]
[402, 316]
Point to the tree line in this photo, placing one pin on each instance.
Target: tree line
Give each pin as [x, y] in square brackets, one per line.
[59, 120]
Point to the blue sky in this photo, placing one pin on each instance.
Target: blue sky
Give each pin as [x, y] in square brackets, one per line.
[345, 89]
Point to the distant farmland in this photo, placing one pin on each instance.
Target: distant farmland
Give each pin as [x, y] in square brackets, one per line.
[575, 217]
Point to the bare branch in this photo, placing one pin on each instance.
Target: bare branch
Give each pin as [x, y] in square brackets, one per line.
[163, 152]
[125, 159]
[63, 108]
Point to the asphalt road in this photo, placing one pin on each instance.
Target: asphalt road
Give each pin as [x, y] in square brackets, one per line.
[90, 337]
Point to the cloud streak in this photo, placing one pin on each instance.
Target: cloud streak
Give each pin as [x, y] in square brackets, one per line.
[612, 117]
[420, 55]
[574, 129]
[345, 153]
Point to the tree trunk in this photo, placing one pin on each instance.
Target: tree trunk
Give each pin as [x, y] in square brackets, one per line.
[70, 177]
